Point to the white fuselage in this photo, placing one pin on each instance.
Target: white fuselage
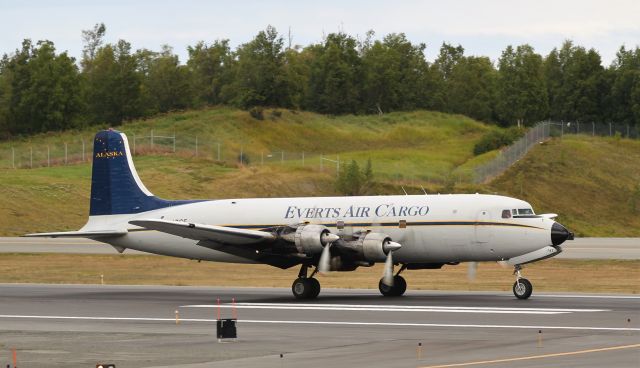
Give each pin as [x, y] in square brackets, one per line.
[431, 228]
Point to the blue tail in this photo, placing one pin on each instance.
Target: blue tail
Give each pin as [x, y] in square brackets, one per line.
[115, 186]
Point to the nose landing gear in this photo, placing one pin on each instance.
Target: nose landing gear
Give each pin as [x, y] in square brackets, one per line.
[522, 288]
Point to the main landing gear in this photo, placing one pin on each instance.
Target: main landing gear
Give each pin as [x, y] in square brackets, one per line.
[399, 285]
[522, 288]
[306, 287]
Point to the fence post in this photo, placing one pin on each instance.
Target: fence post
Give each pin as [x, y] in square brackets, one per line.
[151, 138]
[65, 153]
[174, 142]
[261, 158]
[13, 157]
[31, 157]
[196, 146]
[561, 129]
[282, 158]
[218, 151]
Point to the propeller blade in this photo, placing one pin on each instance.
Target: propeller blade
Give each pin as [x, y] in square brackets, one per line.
[387, 276]
[325, 258]
[472, 269]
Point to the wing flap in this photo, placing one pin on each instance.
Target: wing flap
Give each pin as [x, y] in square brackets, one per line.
[79, 234]
[219, 234]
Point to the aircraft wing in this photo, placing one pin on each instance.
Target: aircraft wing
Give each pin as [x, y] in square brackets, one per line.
[218, 234]
[249, 244]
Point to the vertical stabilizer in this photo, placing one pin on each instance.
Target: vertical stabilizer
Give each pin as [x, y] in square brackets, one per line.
[116, 187]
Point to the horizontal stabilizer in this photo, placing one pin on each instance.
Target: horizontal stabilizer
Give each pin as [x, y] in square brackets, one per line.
[219, 234]
[80, 234]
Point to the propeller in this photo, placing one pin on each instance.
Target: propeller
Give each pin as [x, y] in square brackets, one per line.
[472, 269]
[324, 265]
[387, 275]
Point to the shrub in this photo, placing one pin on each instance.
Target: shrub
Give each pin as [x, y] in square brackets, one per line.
[495, 139]
[257, 112]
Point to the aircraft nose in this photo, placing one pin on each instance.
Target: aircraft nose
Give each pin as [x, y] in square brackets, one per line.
[559, 234]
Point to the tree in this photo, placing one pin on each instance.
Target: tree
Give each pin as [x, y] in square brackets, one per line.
[167, 82]
[471, 86]
[40, 89]
[442, 67]
[93, 39]
[350, 179]
[394, 74]
[579, 89]
[209, 67]
[625, 88]
[335, 76]
[258, 73]
[522, 93]
[113, 85]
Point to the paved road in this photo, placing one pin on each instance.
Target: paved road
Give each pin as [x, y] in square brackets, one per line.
[134, 326]
[581, 248]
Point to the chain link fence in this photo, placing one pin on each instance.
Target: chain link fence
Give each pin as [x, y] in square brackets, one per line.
[541, 132]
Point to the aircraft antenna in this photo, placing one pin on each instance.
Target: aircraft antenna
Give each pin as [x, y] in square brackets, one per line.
[424, 191]
[405, 192]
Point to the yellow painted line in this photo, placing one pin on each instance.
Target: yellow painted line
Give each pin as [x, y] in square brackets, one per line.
[535, 356]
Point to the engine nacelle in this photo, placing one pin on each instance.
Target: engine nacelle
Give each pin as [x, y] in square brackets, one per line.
[310, 239]
[373, 247]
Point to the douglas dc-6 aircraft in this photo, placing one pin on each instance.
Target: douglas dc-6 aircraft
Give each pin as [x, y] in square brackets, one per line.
[323, 233]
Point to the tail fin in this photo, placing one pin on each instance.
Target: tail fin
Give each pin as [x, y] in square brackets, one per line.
[116, 187]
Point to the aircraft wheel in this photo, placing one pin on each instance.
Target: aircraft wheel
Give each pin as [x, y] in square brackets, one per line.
[522, 289]
[398, 288]
[302, 288]
[315, 288]
[399, 285]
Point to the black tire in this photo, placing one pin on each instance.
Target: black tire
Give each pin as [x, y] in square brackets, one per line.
[385, 290]
[302, 288]
[399, 285]
[398, 288]
[524, 290]
[315, 288]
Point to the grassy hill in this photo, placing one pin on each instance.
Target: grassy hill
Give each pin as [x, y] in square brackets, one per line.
[411, 149]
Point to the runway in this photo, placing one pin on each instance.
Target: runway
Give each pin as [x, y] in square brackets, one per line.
[580, 248]
[135, 326]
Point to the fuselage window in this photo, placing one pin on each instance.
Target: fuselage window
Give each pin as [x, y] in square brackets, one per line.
[514, 212]
[525, 211]
[506, 213]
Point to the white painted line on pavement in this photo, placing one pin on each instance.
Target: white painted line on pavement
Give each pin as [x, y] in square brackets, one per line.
[392, 308]
[337, 323]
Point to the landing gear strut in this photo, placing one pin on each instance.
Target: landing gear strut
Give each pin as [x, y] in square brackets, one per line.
[399, 285]
[306, 287]
[522, 288]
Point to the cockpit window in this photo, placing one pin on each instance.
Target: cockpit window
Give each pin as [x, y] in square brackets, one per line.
[525, 211]
[506, 213]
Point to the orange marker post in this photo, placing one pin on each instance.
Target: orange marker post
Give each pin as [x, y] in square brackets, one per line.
[15, 357]
[234, 313]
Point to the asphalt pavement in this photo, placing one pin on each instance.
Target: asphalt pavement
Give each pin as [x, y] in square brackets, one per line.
[163, 326]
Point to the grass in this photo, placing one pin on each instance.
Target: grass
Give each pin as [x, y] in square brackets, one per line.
[549, 275]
